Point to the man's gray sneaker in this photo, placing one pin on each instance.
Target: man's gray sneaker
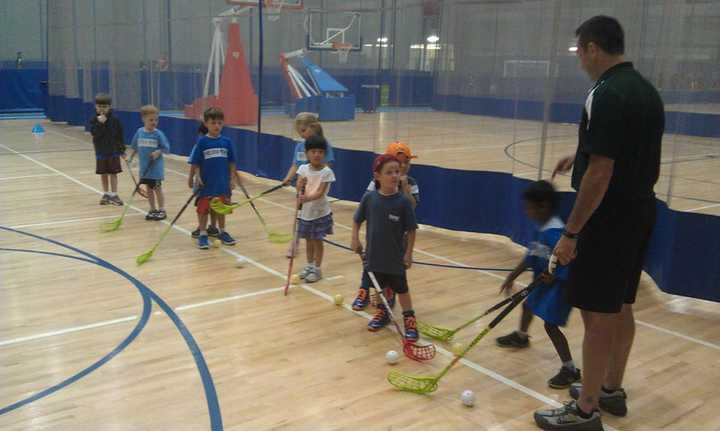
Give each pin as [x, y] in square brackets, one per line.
[567, 418]
[614, 402]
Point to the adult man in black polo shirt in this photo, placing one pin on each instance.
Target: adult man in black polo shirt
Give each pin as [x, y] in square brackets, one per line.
[615, 169]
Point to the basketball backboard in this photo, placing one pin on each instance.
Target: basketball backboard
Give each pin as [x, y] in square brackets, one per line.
[338, 31]
[270, 4]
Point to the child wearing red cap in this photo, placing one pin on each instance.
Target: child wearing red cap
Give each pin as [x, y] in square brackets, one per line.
[390, 238]
[407, 186]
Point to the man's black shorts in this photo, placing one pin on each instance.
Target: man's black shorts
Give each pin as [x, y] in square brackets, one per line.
[611, 250]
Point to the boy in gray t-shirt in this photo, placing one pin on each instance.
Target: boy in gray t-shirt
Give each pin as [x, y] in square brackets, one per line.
[408, 186]
[390, 237]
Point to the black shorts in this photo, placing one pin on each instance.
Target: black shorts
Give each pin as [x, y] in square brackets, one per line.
[611, 251]
[398, 283]
[153, 184]
[108, 165]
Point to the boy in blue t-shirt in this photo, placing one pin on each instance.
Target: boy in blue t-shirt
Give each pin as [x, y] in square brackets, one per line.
[150, 143]
[213, 163]
[547, 300]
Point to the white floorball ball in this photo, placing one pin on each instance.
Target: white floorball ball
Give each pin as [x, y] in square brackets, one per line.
[468, 398]
[240, 262]
[392, 357]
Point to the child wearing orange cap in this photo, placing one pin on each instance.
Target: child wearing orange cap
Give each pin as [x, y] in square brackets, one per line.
[408, 186]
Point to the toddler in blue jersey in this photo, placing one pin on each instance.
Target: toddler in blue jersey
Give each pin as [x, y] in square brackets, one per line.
[212, 171]
[547, 301]
[306, 125]
[149, 144]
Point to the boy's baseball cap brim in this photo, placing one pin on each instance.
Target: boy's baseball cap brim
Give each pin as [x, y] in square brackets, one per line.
[396, 148]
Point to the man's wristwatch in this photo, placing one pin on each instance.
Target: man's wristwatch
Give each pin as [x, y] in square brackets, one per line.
[570, 235]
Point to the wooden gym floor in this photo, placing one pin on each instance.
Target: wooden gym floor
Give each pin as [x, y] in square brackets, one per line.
[189, 339]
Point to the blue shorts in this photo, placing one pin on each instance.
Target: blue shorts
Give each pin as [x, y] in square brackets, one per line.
[548, 303]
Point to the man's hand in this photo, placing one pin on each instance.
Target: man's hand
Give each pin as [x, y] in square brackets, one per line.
[102, 118]
[407, 260]
[563, 165]
[565, 250]
[155, 154]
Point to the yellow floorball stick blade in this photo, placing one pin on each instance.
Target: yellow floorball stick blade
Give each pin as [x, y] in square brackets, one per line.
[280, 238]
[145, 256]
[220, 207]
[112, 226]
[436, 332]
[410, 383]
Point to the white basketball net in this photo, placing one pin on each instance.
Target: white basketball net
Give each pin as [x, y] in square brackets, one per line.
[343, 55]
[343, 51]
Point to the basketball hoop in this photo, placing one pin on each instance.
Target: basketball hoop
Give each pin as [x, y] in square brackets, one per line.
[342, 49]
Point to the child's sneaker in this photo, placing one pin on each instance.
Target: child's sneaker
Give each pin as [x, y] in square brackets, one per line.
[410, 323]
[105, 200]
[564, 378]
[226, 238]
[162, 215]
[195, 234]
[213, 231]
[151, 215]
[115, 200]
[379, 320]
[314, 275]
[304, 273]
[513, 340]
[362, 300]
[203, 242]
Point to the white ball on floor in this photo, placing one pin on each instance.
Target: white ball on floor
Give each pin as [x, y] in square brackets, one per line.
[468, 398]
[240, 262]
[392, 357]
[457, 348]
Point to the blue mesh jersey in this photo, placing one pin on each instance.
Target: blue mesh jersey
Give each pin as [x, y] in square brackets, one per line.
[548, 301]
[145, 143]
[213, 156]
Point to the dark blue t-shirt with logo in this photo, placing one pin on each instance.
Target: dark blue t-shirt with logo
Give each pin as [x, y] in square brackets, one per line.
[388, 218]
[213, 156]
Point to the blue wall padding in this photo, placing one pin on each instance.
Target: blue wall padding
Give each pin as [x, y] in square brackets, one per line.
[21, 90]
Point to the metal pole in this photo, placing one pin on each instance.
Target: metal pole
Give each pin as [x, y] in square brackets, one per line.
[549, 86]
